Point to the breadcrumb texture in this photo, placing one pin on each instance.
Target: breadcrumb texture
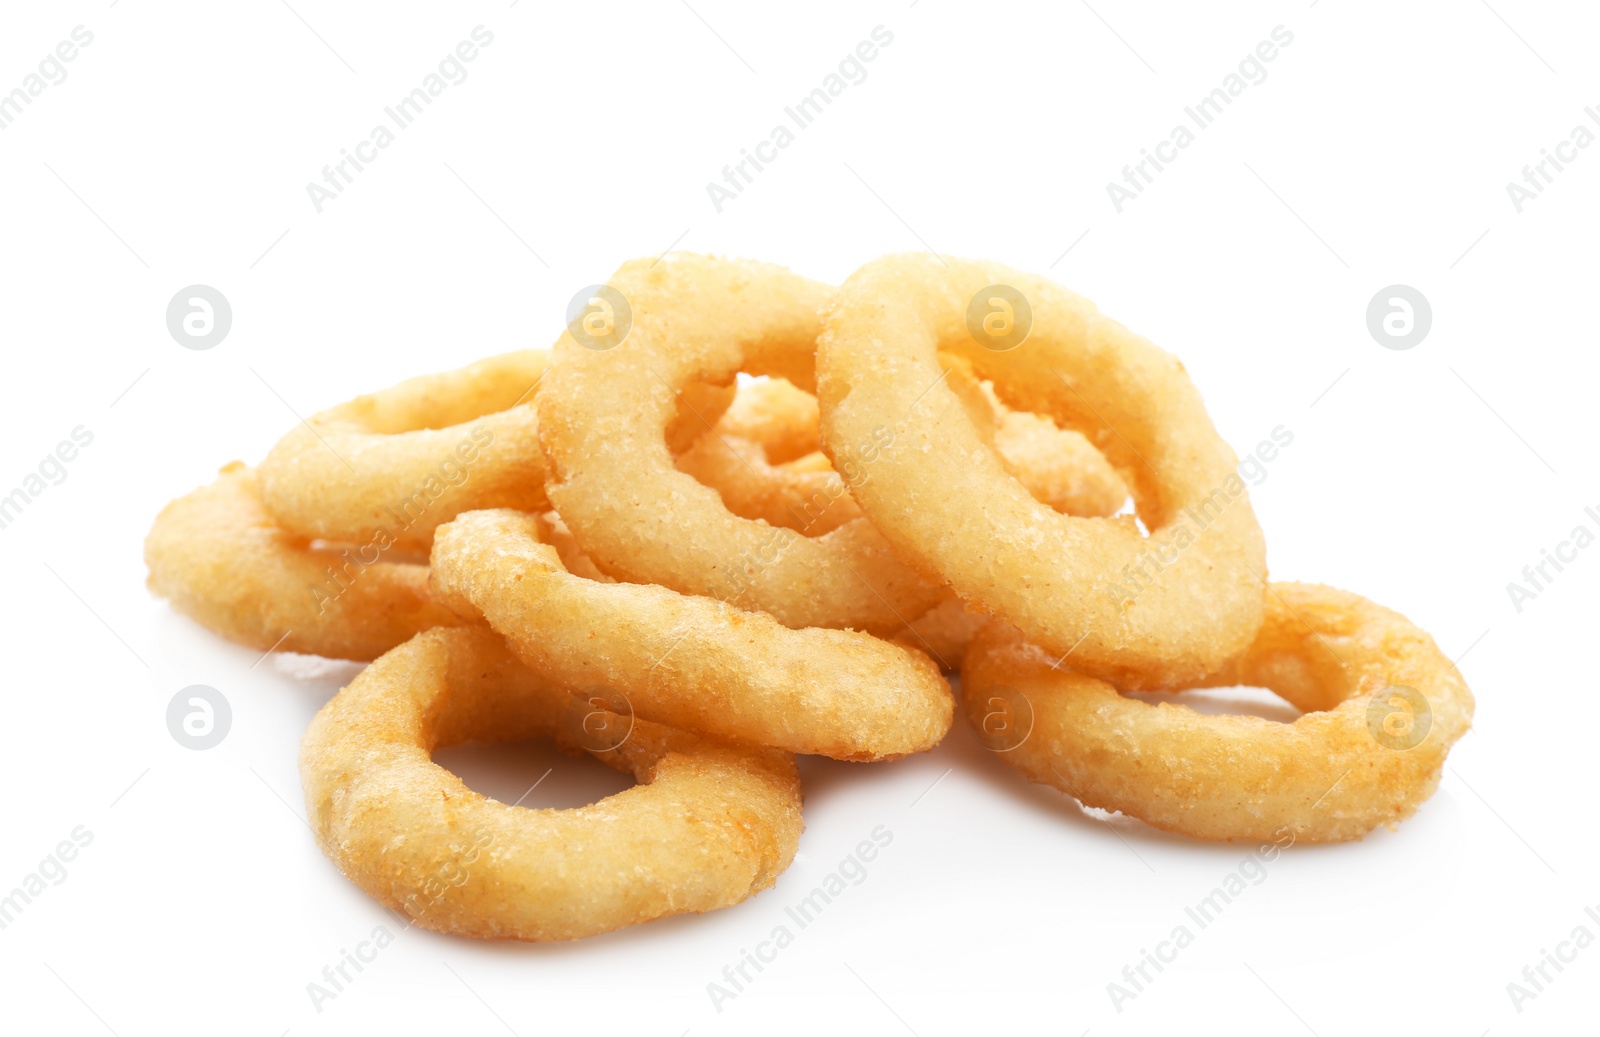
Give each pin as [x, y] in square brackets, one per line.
[707, 826]
[763, 458]
[221, 559]
[400, 461]
[1326, 777]
[691, 662]
[943, 497]
[611, 473]
[394, 464]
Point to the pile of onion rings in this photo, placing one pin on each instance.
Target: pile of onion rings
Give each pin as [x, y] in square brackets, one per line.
[736, 515]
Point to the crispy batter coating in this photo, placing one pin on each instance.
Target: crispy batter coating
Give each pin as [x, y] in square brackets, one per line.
[1059, 467]
[219, 558]
[776, 414]
[944, 632]
[708, 825]
[398, 462]
[816, 461]
[692, 662]
[1170, 608]
[1382, 706]
[554, 532]
[601, 416]
[809, 501]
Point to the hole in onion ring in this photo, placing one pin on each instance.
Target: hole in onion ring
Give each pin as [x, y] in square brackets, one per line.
[532, 773]
[1058, 467]
[763, 457]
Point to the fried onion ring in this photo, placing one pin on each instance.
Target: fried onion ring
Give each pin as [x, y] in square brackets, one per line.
[1381, 708]
[944, 632]
[554, 532]
[1058, 466]
[219, 558]
[692, 662]
[601, 415]
[805, 499]
[944, 498]
[772, 412]
[396, 463]
[707, 827]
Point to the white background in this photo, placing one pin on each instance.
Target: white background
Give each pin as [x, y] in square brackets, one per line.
[1376, 152]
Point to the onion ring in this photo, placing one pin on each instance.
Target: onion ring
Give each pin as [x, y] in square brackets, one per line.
[1381, 708]
[220, 559]
[707, 827]
[944, 631]
[692, 662]
[816, 461]
[554, 532]
[396, 463]
[1059, 467]
[942, 497]
[775, 414]
[807, 500]
[601, 415]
